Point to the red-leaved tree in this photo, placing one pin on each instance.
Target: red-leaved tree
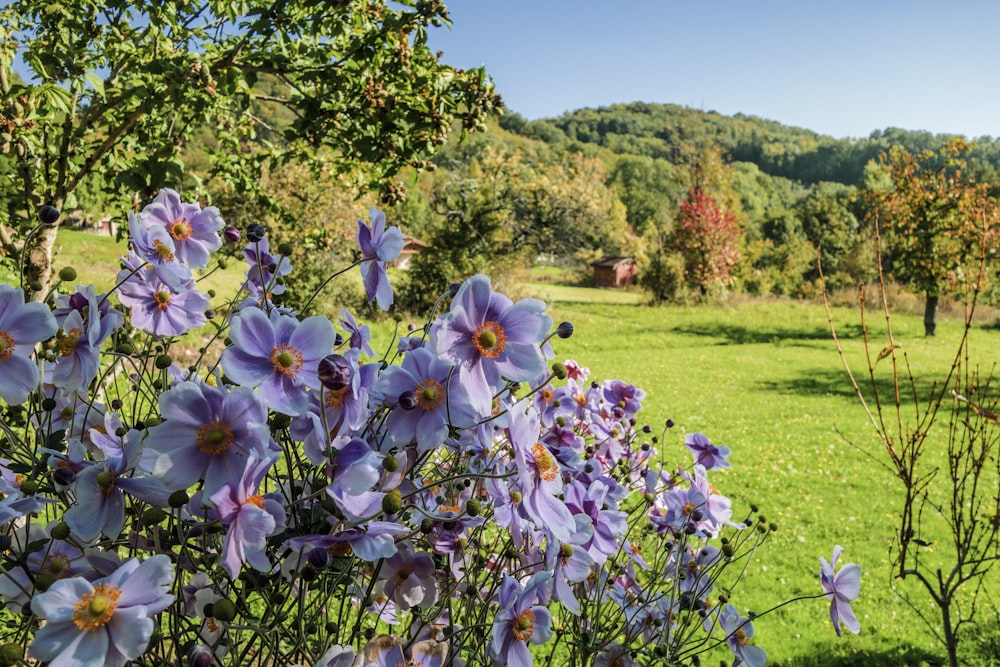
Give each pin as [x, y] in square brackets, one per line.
[707, 238]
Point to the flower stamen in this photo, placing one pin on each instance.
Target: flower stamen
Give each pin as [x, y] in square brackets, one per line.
[94, 610]
[286, 360]
[490, 339]
[430, 394]
[545, 463]
[524, 625]
[6, 346]
[214, 438]
[180, 229]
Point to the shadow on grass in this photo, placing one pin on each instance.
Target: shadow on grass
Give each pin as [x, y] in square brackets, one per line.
[834, 382]
[735, 334]
[901, 657]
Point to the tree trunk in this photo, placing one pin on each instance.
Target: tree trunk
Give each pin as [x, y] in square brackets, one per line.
[930, 315]
[38, 261]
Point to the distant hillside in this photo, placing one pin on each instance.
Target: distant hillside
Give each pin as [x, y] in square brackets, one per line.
[660, 130]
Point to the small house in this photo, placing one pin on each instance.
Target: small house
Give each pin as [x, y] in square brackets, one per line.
[411, 247]
[615, 271]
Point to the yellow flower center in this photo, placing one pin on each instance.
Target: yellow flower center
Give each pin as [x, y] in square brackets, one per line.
[430, 394]
[67, 344]
[741, 637]
[286, 360]
[256, 501]
[162, 299]
[6, 346]
[524, 625]
[545, 463]
[163, 251]
[214, 438]
[94, 610]
[489, 339]
[56, 565]
[180, 229]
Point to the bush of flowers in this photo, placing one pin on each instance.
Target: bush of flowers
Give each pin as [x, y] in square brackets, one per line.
[300, 498]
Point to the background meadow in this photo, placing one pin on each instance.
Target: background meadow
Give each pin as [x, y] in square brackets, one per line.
[764, 378]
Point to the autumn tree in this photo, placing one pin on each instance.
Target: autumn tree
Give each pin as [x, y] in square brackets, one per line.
[114, 90]
[707, 237]
[934, 220]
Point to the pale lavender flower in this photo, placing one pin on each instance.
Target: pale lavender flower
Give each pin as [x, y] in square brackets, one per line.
[104, 623]
[491, 338]
[840, 589]
[208, 433]
[22, 325]
[705, 453]
[408, 578]
[518, 621]
[441, 402]
[539, 475]
[360, 334]
[156, 307]
[279, 355]
[739, 632]
[194, 230]
[379, 246]
[249, 518]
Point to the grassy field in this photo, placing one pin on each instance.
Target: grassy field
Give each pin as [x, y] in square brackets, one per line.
[765, 379]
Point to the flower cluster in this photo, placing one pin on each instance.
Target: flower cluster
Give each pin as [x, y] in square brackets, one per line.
[460, 499]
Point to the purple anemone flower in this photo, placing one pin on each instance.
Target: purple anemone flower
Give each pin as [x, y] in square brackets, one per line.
[705, 453]
[194, 230]
[379, 246]
[408, 578]
[279, 355]
[264, 270]
[840, 589]
[490, 338]
[153, 244]
[539, 475]
[739, 632]
[249, 518]
[207, 434]
[440, 400]
[22, 325]
[360, 334]
[519, 620]
[156, 308]
[101, 489]
[104, 623]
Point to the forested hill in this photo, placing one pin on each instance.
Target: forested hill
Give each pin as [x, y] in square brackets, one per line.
[661, 130]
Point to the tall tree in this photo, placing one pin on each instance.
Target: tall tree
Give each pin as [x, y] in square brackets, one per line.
[707, 236]
[114, 90]
[934, 218]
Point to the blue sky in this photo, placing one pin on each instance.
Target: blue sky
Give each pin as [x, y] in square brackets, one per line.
[842, 68]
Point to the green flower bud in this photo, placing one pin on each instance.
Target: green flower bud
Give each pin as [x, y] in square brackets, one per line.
[178, 499]
[223, 610]
[559, 370]
[285, 249]
[153, 516]
[473, 508]
[29, 487]
[163, 361]
[11, 654]
[67, 274]
[390, 463]
[392, 502]
[60, 531]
